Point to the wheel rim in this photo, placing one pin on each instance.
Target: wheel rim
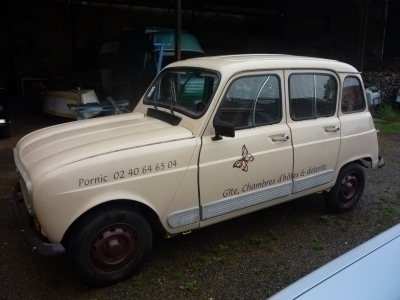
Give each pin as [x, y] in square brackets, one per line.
[114, 248]
[349, 188]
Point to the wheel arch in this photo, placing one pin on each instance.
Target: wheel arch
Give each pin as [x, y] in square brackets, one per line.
[364, 162]
[148, 213]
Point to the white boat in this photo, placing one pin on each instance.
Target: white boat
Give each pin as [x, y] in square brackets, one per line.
[63, 103]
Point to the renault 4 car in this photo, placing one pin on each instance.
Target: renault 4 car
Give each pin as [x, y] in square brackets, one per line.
[212, 138]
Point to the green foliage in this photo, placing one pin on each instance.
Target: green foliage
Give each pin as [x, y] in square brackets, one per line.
[219, 259]
[326, 219]
[137, 280]
[388, 127]
[256, 241]
[223, 248]
[190, 286]
[235, 244]
[194, 266]
[391, 118]
[257, 271]
[272, 236]
[315, 245]
[387, 214]
[176, 275]
[389, 114]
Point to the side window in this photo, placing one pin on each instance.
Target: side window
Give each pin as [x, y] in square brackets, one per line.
[252, 101]
[353, 96]
[268, 104]
[312, 96]
[326, 95]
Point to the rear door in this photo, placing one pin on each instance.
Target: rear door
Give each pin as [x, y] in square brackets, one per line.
[315, 126]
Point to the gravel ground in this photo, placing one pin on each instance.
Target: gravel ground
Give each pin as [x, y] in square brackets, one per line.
[250, 257]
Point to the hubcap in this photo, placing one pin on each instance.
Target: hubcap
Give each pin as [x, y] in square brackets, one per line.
[349, 188]
[113, 248]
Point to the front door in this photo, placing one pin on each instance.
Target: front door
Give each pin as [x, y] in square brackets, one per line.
[256, 165]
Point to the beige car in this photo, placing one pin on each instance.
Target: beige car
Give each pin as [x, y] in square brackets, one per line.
[212, 138]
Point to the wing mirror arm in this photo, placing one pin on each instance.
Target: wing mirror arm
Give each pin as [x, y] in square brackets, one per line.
[222, 128]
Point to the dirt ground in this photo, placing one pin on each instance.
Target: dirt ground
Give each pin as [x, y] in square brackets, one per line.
[250, 257]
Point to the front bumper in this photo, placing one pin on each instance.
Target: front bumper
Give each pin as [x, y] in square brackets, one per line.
[40, 247]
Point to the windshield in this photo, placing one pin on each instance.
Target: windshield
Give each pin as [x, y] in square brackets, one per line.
[188, 91]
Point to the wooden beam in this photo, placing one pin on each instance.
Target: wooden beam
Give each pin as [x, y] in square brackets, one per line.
[363, 35]
[178, 30]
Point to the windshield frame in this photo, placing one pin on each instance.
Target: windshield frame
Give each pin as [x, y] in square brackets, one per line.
[156, 82]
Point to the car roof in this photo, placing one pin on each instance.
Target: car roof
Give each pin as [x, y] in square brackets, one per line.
[264, 61]
[369, 271]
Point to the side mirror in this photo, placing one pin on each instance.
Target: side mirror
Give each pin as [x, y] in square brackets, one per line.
[222, 128]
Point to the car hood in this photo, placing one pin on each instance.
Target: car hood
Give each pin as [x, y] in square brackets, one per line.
[51, 148]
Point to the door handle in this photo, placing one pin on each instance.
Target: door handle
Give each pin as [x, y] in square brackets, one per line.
[335, 128]
[284, 137]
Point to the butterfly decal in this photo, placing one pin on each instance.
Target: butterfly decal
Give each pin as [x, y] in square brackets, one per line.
[242, 163]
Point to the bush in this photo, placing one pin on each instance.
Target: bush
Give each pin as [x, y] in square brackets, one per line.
[389, 114]
[391, 118]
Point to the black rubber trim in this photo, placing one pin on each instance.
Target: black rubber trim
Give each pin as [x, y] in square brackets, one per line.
[164, 116]
[38, 246]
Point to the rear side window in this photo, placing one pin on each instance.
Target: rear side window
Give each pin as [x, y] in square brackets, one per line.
[312, 96]
[252, 101]
[353, 96]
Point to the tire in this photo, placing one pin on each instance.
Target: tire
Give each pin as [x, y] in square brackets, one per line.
[124, 238]
[347, 191]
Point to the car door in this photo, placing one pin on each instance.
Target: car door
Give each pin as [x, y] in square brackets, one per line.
[255, 166]
[314, 125]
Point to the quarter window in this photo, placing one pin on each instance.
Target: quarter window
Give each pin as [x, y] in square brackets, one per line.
[353, 96]
[312, 96]
[252, 101]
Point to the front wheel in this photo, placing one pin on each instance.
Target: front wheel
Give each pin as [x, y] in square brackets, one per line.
[109, 246]
[347, 191]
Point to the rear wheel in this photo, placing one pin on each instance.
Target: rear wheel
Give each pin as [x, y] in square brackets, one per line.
[347, 191]
[109, 246]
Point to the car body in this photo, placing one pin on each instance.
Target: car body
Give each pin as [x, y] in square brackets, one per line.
[369, 271]
[211, 139]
